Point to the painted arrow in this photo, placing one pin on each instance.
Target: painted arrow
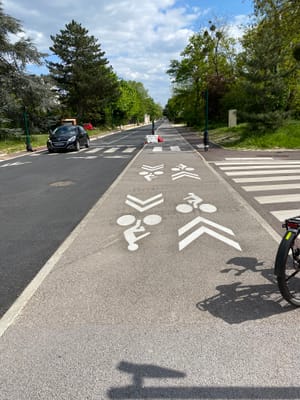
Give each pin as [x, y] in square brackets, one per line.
[151, 169]
[203, 229]
[143, 205]
[184, 174]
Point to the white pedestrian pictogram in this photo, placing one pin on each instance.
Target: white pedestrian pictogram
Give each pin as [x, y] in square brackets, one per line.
[194, 202]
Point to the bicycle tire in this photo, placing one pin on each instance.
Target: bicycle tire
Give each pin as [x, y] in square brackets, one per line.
[287, 268]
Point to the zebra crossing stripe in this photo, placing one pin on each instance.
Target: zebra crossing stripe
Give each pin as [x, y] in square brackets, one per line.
[175, 148]
[270, 162]
[282, 215]
[156, 148]
[111, 150]
[263, 172]
[278, 198]
[95, 150]
[267, 179]
[129, 150]
[262, 188]
[249, 167]
[248, 158]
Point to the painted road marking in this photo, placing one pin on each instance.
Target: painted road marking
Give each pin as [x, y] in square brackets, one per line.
[282, 215]
[130, 233]
[152, 169]
[129, 150]
[263, 172]
[271, 162]
[82, 157]
[185, 174]
[143, 205]
[175, 148]
[248, 158]
[250, 167]
[111, 150]
[157, 148]
[15, 164]
[278, 198]
[242, 171]
[262, 188]
[95, 150]
[267, 179]
[150, 172]
[203, 229]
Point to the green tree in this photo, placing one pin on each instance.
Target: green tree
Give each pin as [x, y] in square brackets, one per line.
[268, 69]
[18, 89]
[133, 103]
[86, 83]
[207, 64]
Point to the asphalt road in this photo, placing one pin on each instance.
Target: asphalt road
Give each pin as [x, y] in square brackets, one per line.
[173, 298]
[44, 197]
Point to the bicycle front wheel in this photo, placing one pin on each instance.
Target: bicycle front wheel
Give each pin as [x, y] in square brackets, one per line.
[287, 268]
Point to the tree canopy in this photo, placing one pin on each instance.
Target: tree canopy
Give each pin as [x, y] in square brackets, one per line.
[260, 79]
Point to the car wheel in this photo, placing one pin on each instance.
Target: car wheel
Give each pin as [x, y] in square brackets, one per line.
[87, 144]
[77, 145]
[50, 150]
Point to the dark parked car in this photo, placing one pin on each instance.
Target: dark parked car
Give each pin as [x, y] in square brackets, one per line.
[67, 137]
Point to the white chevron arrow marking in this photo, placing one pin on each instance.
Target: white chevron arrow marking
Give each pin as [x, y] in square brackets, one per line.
[141, 205]
[200, 231]
[155, 168]
[184, 174]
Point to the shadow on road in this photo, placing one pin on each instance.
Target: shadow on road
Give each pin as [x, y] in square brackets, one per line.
[139, 390]
[239, 301]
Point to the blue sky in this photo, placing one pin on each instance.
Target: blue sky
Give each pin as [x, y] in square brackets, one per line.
[139, 37]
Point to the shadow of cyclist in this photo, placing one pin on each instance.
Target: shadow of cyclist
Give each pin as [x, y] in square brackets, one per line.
[239, 301]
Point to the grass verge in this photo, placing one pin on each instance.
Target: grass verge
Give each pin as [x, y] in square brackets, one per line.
[240, 138]
[15, 144]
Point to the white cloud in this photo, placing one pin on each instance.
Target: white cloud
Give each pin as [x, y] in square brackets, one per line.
[139, 37]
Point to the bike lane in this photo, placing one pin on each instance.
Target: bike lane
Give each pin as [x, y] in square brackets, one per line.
[166, 290]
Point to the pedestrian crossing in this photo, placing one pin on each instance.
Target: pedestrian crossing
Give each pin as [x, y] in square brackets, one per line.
[273, 183]
[125, 150]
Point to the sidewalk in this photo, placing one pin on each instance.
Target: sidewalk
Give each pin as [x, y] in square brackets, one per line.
[165, 290]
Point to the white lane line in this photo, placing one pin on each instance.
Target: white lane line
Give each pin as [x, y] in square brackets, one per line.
[175, 148]
[278, 198]
[129, 150]
[111, 150]
[263, 172]
[282, 215]
[95, 150]
[267, 179]
[156, 148]
[249, 167]
[262, 188]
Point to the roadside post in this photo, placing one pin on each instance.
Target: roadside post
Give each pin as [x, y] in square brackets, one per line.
[28, 144]
[205, 134]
